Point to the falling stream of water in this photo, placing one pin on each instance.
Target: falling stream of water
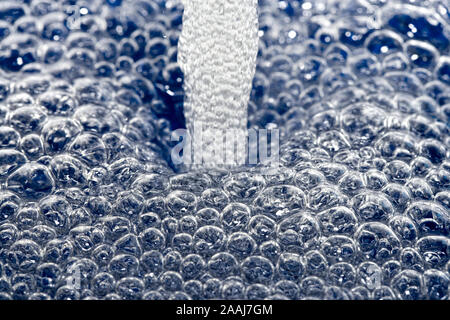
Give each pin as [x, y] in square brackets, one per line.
[217, 53]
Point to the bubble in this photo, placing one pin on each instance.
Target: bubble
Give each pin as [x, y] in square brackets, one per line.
[434, 250]
[420, 166]
[290, 267]
[315, 263]
[123, 265]
[375, 179]
[340, 220]
[395, 62]
[24, 255]
[323, 122]
[233, 290]
[398, 195]
[128, 244]
[443, 198]
[130, 288]
[365, 65]
[332, 171]
[150, 295]
[98, 119]
[405, 228]
[151, 262]
[351, 183]
[362, 123]
[377, 241]
[90, 149]
[209, 240]
[420, 189]
[261, 228]
[26, 217]
[432, 150]
[152, 239]
[57, 133]
[212, 288]
[298, 232]
[103, 284]
[240, 244]
[193, 288]
[243, 185]
[31, 180]
[40, 233]
[190, 182]
[430, 217]
[128, 204]
[342, 274]
[9, 138]
[214, 198]
[55, 211]
[408, 284]
[180, 203]
[396, 145]
[436, 283]
[256, 292]
[324, 197]
[438, 179]
[443, 70]
[422, 126]
[68, 171]
[9, 205]
[384, 293]
[235, 217]
[85, 238]
[410, 259]
[32, 146]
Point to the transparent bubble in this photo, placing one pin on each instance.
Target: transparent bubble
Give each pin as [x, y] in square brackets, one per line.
[398, 195]
[430, 217]
[240, 244]
[123, 265]
[180, 203]
[214, 198]
[261, 228]
[152, 239]
[222, 265]
[434, 250]
[243, 185]
[362, 123]
[235, 217]
[233, 290]
[436, 284]
[298, 232]
[408, 284]
[31, 180]
[58, 133]
[325, 196]
[209, 240]
[130, 288]
[103, 283]
[98, 119]
[376, 241]
[102, 254]
[256, 292]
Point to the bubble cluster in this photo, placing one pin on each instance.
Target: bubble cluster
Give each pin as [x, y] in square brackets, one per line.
[91, 206]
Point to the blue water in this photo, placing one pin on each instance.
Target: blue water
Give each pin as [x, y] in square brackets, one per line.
[91, 206]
